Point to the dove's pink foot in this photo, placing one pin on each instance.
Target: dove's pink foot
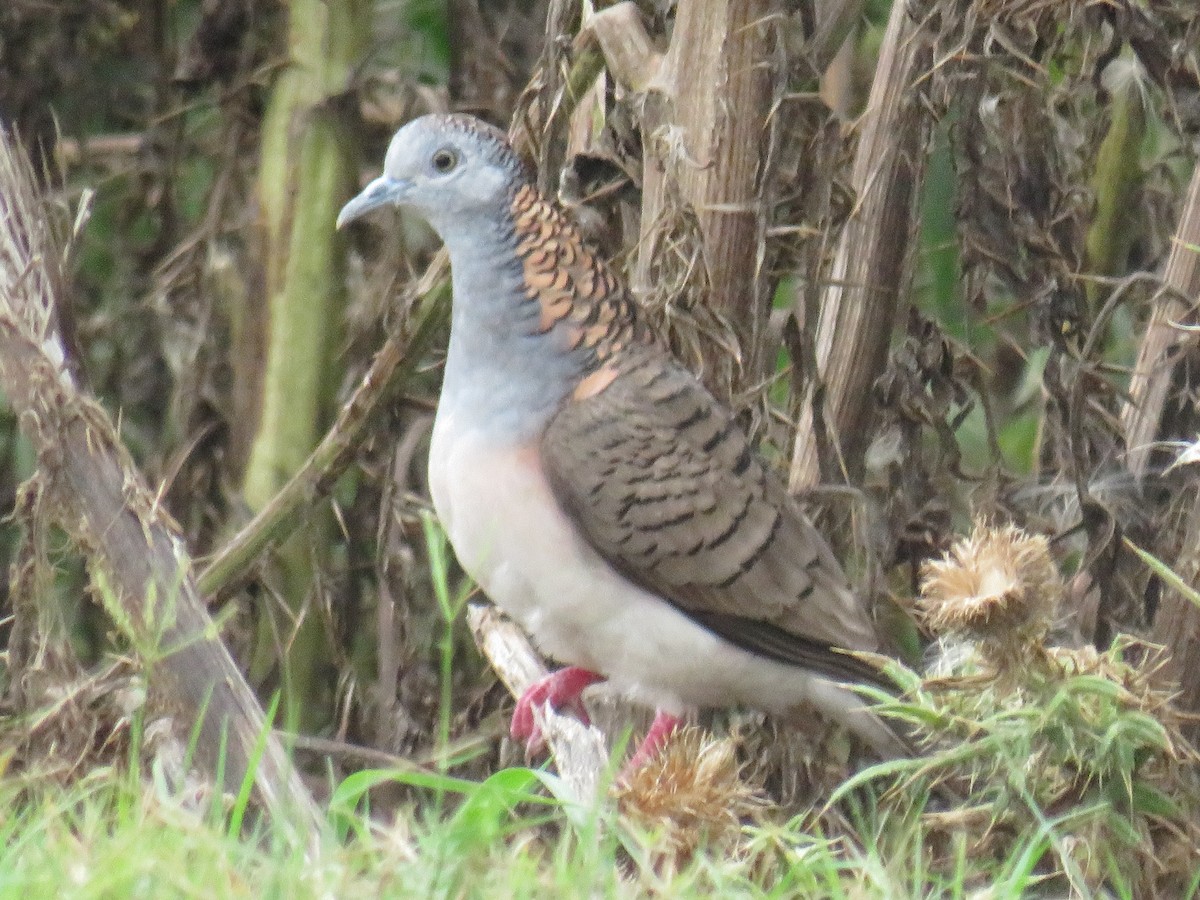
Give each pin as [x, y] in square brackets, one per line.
[661, 729]
[562, 689]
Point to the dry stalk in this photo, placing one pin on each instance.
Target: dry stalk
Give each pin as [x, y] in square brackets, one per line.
[1164, 345]
[1165, 351]
[860, 304]
[93, 491]
[391, 366]
[709, 139]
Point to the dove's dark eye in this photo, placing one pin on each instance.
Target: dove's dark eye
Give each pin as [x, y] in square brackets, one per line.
[445, 160]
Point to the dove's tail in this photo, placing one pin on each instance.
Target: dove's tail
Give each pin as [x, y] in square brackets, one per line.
[885, 736]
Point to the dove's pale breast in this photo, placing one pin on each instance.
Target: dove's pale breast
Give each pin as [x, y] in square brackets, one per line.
[511, 536]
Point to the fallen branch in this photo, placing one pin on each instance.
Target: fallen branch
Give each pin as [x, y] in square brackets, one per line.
[90, 487]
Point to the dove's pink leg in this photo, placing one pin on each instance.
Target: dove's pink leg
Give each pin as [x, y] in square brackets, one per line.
[661, 729]
[562, 689]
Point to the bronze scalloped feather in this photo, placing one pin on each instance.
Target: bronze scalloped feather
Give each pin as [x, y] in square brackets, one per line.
[575, 290]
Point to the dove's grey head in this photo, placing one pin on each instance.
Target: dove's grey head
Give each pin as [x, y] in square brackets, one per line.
[504, 366]
[453, 170]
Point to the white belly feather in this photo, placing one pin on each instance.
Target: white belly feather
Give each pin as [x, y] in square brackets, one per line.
[511, 536]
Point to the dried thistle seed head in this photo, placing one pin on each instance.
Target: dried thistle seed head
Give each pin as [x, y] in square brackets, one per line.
[997, 581]
[691, 793]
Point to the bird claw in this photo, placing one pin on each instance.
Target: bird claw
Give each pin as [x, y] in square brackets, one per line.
[562, 690]
[664, 725]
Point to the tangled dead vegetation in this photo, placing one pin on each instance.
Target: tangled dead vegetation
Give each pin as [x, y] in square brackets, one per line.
[1078, 755]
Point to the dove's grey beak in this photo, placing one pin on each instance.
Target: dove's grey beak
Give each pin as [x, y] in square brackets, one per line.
[383, 191]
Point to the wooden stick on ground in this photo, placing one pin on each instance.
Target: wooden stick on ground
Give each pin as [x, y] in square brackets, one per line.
[580, 751]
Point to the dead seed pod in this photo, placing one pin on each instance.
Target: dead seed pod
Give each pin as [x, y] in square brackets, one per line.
[1000, 588]
[692, 795]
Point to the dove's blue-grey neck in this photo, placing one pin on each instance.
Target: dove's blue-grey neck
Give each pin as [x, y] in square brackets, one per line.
[500, 370]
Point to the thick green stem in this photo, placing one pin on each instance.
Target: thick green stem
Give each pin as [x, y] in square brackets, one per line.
[1115, 183]
[306, 173]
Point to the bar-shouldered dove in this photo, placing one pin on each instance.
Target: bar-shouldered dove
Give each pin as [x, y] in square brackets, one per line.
[593, 487]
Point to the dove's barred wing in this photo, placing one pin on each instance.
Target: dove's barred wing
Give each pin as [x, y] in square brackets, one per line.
[664, 485]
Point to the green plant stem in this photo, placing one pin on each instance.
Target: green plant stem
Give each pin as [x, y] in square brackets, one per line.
[307, 169]
[1115, 183]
